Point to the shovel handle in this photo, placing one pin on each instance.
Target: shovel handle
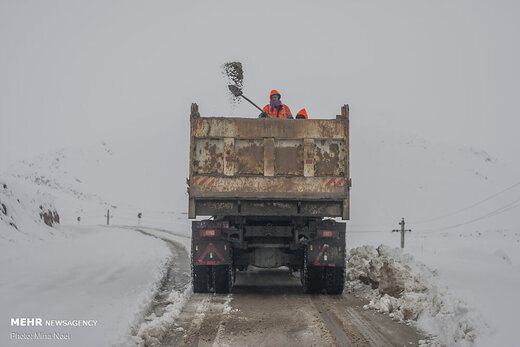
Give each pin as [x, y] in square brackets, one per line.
[252, 103]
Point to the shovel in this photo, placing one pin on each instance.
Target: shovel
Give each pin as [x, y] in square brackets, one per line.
[238, 92]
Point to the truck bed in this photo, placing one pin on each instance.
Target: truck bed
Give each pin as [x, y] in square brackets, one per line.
[269, 167]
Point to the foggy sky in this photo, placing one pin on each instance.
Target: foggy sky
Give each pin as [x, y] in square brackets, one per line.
[78, 72]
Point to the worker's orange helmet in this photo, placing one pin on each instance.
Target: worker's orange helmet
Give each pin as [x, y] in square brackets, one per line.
[274, 92]
[302, 114]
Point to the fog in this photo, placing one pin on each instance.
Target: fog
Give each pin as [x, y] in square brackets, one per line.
[78, 72]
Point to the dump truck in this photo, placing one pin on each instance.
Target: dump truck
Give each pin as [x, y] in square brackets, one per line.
[273, 192]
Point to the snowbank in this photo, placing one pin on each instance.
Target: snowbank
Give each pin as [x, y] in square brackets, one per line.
[408, 291]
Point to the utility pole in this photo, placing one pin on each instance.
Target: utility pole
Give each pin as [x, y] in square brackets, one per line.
[108, 216]
[402, 231]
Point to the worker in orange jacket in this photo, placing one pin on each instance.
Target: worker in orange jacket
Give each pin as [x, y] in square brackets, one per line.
[275, 109]
[302, 114]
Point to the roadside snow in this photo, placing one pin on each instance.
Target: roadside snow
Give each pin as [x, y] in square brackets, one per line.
[94, 273]
[153, 330]
[408, 290]
[465, 294]
[155, 326]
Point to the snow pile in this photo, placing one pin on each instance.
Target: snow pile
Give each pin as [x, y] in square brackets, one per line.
[407, 291]
[25, 214]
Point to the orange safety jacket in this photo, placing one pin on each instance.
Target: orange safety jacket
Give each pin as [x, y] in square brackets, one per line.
[283, 112]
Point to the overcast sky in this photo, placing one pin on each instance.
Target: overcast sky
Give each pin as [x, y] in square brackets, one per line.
[77, 72]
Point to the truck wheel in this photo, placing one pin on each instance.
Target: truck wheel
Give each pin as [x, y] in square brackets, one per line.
[334, 280]
[200, 278]
[222, 278]
[311, 277]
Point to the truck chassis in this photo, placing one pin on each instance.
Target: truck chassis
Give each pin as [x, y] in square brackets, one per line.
[314, 247]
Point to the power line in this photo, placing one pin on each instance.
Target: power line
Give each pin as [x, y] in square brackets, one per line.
[445, 215]
[366, 231]
[470, 206]
[512, 205]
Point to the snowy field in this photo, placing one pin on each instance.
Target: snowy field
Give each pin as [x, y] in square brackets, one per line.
[107, 275]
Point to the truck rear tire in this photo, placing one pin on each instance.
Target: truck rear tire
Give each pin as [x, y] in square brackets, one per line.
[212, 278]
[311, 277]
[200, 277]
[312, 280]
[334, 280]
[222, 278]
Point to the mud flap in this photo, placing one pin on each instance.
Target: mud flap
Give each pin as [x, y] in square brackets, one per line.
[326, 252]
[215, 252]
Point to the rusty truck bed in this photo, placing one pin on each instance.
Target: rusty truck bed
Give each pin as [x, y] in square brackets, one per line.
[276, 167]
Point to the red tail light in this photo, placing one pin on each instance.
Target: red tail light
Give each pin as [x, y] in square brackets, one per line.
[328, 233]
[209, 232]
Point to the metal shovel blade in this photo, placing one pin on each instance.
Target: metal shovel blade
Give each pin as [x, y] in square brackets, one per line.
[235, 90]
